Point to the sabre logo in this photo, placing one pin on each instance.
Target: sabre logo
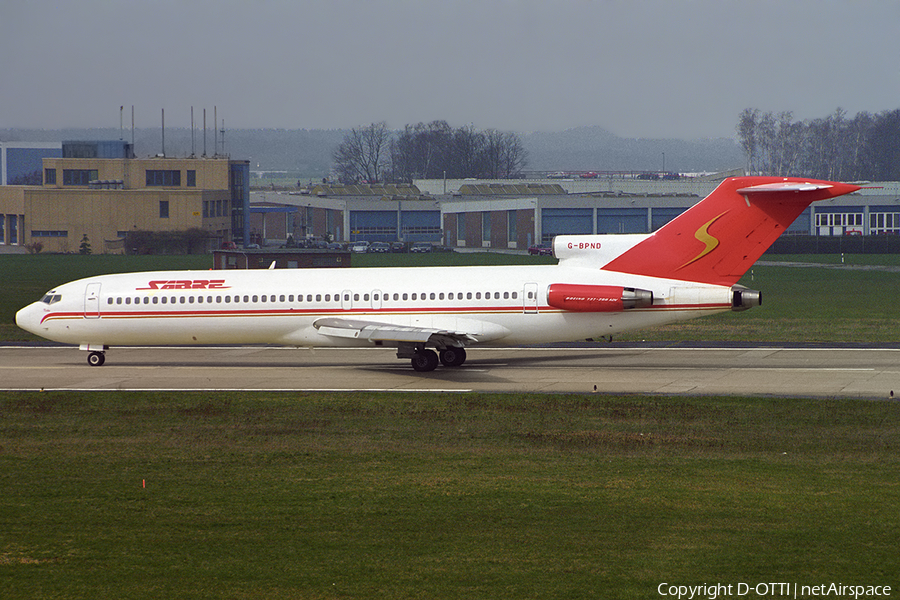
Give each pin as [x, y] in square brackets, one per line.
[584, 246]
[187, 284]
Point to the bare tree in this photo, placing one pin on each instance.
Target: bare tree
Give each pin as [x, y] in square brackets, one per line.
[363, 155]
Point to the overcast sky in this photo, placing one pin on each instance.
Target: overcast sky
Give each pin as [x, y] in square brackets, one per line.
[639, 68]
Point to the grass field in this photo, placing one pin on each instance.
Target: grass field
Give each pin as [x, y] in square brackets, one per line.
[799, 304]
[259, 495]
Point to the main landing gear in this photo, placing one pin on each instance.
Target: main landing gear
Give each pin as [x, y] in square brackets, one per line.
[423, 360]
[96, 359]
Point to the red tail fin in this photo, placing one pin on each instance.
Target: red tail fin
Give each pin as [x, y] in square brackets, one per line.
[720, 237]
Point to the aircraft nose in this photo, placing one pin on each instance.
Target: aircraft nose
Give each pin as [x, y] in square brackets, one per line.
[29, 318]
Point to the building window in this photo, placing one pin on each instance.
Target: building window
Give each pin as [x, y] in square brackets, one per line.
[49, 233]
[163, 209]
[884, 223]
[511, 235]
[486, 227]
[49, 176]
[163, 178]
[79, 176]
[191, 178]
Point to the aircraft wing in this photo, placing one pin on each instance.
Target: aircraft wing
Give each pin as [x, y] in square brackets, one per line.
[386, 332]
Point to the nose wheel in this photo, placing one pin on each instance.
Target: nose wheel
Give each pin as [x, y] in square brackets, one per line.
[96, 359]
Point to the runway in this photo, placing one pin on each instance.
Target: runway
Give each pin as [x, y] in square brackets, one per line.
[776, 371]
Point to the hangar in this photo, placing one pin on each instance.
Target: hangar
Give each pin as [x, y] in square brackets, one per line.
[514, 215]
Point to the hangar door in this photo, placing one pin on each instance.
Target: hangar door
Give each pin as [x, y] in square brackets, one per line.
[566, 221]
[622, 220]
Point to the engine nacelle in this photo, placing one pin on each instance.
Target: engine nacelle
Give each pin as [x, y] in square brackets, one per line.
[597, 298]
[743, 298]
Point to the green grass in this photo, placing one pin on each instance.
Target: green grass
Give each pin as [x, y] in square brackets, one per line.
[259, 495]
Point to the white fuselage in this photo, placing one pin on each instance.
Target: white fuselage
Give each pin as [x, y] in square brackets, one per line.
[494, 305]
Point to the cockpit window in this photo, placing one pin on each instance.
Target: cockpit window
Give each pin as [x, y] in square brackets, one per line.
[51, 298]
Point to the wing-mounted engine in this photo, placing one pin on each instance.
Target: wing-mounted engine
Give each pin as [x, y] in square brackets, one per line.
[597, 298]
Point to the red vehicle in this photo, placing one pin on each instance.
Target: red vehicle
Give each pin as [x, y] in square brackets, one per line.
[589, 175]
[541, 250]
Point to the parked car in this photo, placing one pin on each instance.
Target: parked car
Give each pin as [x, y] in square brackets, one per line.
[380, 247]
[360, 247]
[398, 247]
[589, 175]
[540, 250]
[229, 246]
[421, 247]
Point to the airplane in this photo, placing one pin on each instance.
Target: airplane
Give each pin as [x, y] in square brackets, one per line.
[602, 285]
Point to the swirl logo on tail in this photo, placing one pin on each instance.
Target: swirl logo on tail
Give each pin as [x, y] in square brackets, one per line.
[703, 235]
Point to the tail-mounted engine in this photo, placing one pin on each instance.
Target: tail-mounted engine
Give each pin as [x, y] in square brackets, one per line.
[597, 298]
[743, 298]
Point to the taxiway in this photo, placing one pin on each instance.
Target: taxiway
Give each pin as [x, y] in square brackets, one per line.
[777, 371]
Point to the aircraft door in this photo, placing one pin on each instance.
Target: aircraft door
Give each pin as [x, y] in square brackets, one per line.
[92, 301]
[376, 299]
[346, 300]
[530, 298]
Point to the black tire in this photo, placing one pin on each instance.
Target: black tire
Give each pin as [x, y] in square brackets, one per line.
[424, 361]
[96, 359]
[453, 357]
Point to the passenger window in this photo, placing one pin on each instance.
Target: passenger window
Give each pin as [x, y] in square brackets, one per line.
[309, 298]
[515, 295]
[190, 299]
[404, 296]
[506, 295]
[478, 295]
[118, 301]
[396, 296]
[218, 299]
[272, 298]
[155, 300]
[327, 297]
[281, 298]
[108, 301]
[496, 295]
[468, 295]
[209, 299]
[262, 298]
[356, 297]
[181, 300]
[164, 299]
[318, 297]
[414, 296]
[431, 296]
[127, 300]
[441, 296]
[199, 299]
[366, 297]
[450, 296]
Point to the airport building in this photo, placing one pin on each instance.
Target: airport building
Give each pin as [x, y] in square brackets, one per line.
[501, 215]
[99, 190]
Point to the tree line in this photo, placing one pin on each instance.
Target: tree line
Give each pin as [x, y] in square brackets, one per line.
[835, 147]
[375, 154]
